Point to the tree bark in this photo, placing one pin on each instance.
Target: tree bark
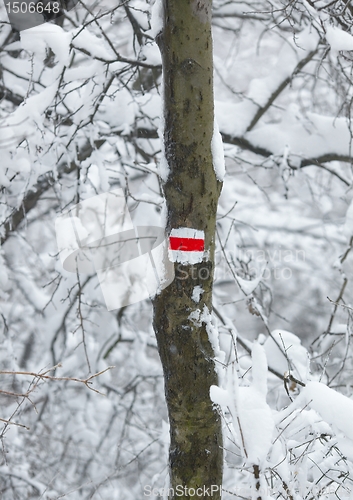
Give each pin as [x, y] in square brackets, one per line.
[191, 191]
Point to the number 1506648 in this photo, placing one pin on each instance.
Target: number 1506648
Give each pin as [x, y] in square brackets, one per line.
[33, 7]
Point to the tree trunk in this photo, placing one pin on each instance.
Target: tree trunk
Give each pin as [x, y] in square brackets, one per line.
[191, 191]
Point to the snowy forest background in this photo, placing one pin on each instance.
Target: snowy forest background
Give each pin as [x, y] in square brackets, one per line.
[80, 106]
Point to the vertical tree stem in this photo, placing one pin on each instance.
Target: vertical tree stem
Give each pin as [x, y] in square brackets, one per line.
[192, 191]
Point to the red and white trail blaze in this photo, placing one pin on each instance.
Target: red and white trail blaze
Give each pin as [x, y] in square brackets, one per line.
[186, 245]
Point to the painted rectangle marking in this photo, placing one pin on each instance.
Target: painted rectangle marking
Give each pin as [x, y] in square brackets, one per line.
[186, 245]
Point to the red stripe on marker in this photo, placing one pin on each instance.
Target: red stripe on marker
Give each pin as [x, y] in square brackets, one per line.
[186, 244]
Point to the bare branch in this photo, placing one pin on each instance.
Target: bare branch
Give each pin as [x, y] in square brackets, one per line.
[262, 110]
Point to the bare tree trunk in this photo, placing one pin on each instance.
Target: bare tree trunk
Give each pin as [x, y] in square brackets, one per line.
[192, 191]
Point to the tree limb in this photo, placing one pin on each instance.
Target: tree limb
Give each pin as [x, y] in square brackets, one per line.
[47, 180]
[262, 110]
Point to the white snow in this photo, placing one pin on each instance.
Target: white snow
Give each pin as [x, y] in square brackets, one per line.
[248, 286]
[234, 118]
[156, 18]
[196, 293]
[307, 39]
[44, 491]
[219, 396]
[194, 316]
[348, 224]
[338, 39]
[149, 198]
[127, 283]
[256, 423]
[95, 46]
[198, 317]
[46, 35]
[212, 330]
[218, 153]
[124, 281]
[4, 278]
[251, 415]
[316, 135]
[332, 406]
[119, 111]
[259, 369]
[83, 71]
[151, 54]
[283, 350]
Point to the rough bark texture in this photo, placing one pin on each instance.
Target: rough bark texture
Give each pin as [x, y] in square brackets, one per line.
[192, 193]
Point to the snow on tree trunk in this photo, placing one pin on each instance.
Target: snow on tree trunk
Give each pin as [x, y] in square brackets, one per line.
[192, 191]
